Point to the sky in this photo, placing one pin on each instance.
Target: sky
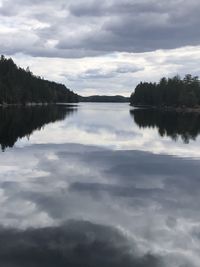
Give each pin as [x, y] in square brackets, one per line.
[102, 47]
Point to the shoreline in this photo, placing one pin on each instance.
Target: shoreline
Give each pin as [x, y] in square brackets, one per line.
[32, 104]
[169, 109]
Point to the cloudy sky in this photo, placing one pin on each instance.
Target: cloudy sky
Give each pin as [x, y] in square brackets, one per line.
[103, 47]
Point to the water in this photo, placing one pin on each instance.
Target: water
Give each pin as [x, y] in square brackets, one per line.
[99, 185]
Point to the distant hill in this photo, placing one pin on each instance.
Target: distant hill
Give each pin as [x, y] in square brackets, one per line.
[19, 86]
[104, 98]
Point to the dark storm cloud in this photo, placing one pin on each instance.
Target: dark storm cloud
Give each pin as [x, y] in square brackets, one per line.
[76, 243]
[96, 28]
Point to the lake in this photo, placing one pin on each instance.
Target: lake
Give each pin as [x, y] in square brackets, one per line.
[99, 185]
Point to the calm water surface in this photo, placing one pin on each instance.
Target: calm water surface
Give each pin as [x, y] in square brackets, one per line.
[99, 185]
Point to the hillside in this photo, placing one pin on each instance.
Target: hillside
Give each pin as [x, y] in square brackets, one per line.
[19, 86]
[103, 98]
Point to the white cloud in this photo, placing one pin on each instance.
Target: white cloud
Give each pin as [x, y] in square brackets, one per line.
[117, 73]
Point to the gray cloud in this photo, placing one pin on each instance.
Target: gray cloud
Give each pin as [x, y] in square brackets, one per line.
[105, 8]
[105, 73]
[128, 68]
[94, 28]
[135, 27]
[96, 74]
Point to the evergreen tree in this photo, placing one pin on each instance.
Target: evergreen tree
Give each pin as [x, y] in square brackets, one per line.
[19, 86]
[171, 92]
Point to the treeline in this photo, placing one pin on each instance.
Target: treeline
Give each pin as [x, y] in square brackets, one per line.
[104, 98]
[171, 92]
[19, 86]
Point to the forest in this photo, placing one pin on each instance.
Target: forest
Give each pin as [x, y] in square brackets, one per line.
[168, 92]
[20, 86]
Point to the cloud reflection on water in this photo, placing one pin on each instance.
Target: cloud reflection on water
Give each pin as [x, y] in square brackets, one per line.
[112, 126]
[75, 243]
[152, 198]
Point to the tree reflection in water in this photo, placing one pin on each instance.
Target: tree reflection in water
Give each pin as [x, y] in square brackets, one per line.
[17, 122]
[169, 123]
